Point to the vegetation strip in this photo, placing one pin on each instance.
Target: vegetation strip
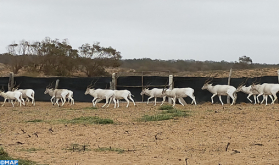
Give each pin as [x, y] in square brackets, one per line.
[102, 149]
[5, 156]
[88, 120]
[168, 112]
[35, 120]
[78, 148]
[31, 149]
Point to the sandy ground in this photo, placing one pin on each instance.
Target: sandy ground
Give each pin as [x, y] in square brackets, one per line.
[212, 135]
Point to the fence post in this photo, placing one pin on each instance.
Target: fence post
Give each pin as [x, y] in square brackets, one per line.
[142, 96]
[229, 82]
[278, 75]
[113, 81]
[170, 86]
[11, 81]
[56, 83]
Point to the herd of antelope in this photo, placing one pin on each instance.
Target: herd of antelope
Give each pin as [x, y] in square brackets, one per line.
[257, 90]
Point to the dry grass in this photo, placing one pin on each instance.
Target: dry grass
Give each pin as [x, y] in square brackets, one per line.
[4, 72]
[212, 134]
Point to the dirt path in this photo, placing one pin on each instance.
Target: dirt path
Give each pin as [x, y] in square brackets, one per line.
[241, 134]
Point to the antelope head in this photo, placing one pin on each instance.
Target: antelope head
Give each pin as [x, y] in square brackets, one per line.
[48, 88]
[241, 85]
[90, 87]
[207, 83]
[144, 89]
[165, 88]
[16, 87]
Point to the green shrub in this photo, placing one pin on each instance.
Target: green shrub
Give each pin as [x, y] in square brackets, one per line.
[5, 156]
[165, 115]
[90, 108]
[78, 148]
[158, 117]
[35, 121]
[165, 107]
[31, 149]
[89, 120]
[102, 149]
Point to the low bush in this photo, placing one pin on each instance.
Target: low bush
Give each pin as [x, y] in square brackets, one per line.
[88, 120]
[165, 115]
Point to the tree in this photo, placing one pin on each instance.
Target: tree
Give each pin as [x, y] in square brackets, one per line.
[94, 59]
[245, 59]
[17, 53]
[54, 57]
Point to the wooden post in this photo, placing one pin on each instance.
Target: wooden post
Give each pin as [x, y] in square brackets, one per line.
[170, 85]
[142, 96]
[57, 83]
[113, 81]
[11, 81]
[278, 75]
[229, 82]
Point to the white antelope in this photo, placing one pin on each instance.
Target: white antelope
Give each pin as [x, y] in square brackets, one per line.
[122, 94]
[26, 94]
[180, 93]
[247, 90]
[57, 94]
[70, 96]
[155, 92]
[266, 89]
[220, 90]
[100, 94]
[12, 95]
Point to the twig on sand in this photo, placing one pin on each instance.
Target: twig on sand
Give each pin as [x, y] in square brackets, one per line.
[227, 146]
[186, 161]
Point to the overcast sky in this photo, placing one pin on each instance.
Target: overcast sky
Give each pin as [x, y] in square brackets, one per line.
[201, 30]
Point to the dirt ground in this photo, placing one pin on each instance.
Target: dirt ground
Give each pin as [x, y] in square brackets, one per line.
[211, 135]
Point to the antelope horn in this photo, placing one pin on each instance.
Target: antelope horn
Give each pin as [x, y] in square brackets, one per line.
[210, 78]
[95, 82]
[17, 86]
[171, 84]
[146, 85]
[166, 84]
[48, 85]
[254, 82]
[260, 80]
[90, 85]
[261, 76]
[242, 83]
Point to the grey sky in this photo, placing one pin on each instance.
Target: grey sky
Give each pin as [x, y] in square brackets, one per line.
[158, 29]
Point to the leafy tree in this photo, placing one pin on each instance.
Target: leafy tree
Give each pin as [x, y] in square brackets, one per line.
[17, 54]
[245, 59]
[94, 59]
[53, 57]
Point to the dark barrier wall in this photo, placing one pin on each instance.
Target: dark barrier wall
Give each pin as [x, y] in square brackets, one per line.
[77, 85]
[204, 95]
[132, 83]
[196, 83]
